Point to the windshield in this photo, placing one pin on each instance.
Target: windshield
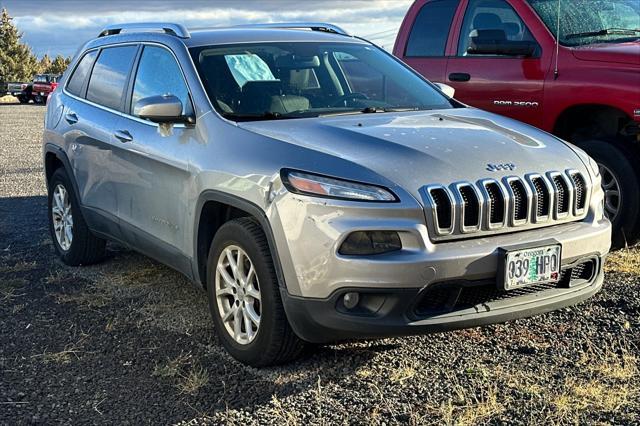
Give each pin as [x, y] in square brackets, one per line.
[269, 81]
[591, 21]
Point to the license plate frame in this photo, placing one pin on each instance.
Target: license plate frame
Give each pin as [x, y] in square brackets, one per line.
[550, 273]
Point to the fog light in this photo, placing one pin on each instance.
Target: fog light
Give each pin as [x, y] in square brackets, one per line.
[362, 243]
[351, 300]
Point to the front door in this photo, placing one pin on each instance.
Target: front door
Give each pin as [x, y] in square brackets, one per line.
[154, 175]
[507, 85]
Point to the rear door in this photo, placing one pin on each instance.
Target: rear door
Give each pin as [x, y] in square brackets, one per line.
[95, 95]
[151, 186]
[512, 86]
[425, 44]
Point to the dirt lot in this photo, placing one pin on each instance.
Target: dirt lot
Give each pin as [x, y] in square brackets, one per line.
[129, 341]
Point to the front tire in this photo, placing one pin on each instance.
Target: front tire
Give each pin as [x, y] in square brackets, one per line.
[72, 239]
[244, 297]
[620, 182]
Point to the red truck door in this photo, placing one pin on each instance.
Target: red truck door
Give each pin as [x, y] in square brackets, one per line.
[422, 44]
[507, 85]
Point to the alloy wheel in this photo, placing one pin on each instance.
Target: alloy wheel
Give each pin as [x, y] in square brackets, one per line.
[612, 193]
[237, 293]
[62, 217]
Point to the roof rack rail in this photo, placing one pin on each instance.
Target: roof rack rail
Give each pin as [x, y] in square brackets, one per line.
[313, 26]
[177, 30]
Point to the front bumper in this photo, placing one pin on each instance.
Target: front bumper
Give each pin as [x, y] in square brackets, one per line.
[394, 311]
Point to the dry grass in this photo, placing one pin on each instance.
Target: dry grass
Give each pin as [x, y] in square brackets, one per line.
[173, 367]
[196, 378]
[190, 375]
[9, 288]
[20, 266]
[285, 417]
[8, 99]
[65, 356]
[87, 300]
[624, 261]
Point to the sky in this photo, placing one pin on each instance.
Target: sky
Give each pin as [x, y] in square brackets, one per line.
[61, 26]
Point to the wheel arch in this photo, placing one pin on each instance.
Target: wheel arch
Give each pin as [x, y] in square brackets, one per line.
[595, 120]
[55, 158]
[213, 209]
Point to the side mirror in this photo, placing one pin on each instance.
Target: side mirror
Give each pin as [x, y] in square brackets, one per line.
[446, 89]
[161, 109]
[494, 42]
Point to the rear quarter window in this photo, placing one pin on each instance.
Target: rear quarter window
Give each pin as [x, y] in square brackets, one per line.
[77, 79]
[109, 76]
[430, 30]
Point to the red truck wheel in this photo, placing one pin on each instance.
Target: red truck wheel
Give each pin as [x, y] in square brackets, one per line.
[620, 181]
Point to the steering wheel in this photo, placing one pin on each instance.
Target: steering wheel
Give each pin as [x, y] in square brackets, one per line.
[350, 96]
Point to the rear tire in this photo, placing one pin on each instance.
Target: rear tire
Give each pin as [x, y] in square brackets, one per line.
[618, 174]
[75, 245]
[273, 341]
[23, 99]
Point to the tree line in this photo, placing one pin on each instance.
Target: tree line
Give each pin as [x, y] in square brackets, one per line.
[17, 61]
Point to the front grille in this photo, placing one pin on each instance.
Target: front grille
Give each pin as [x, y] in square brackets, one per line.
[496, 203]
[465, 209]
[562, 191]
[443, 207]
[542, 196]
[520, 200]
[442, 298]
[580, 188]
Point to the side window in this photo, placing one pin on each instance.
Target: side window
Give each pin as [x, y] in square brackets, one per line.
[492, 15]
[159, 74]
[430, 30]
[109, 76]
[76, 82]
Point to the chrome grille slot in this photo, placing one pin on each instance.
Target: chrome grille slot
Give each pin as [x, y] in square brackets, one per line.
[496, 203]
[580, 190]
[443, 207]
[470, 207]
[562, 194]
[520, 200]
[542, 196]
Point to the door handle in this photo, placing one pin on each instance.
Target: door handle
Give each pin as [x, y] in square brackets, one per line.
[459, 76]
[71, 118]
[123, 136]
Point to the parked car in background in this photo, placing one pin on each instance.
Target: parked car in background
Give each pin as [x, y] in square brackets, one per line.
[19, 90]
[576, 75]
[42, 86]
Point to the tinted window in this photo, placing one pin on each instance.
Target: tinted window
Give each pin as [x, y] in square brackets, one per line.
[109, 76]
[431, 28]
[492, 15]
[159, 74]
[80, 74]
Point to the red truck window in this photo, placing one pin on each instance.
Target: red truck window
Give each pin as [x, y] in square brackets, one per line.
[492, 15]
[431, 28]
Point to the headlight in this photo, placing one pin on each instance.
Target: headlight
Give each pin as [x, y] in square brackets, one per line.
[323, 186]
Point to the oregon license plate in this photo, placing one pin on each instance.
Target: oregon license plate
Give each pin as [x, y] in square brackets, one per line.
[532, 266]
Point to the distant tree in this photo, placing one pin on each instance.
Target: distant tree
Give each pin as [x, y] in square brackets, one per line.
[59, 65]
[44, 65]
[17, 62]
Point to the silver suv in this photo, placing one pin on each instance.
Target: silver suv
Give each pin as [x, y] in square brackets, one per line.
[317, 187]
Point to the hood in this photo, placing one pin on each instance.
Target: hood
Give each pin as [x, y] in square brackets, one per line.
[622, 53]
[419, 148]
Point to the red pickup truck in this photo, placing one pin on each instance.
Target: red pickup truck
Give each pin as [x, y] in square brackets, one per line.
[570, 67]
[43, 85]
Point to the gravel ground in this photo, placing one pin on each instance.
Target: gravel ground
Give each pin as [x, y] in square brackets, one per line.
[129, 341]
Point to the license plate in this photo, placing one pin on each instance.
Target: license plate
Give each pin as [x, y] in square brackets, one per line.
[532, 266]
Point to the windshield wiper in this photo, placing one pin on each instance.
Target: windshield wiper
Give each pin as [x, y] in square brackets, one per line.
[606, 31]
[268, 115]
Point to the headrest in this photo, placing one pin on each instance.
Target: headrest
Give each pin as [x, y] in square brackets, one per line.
[487, 21]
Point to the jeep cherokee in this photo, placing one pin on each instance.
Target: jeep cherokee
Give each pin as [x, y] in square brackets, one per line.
[319, 189]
